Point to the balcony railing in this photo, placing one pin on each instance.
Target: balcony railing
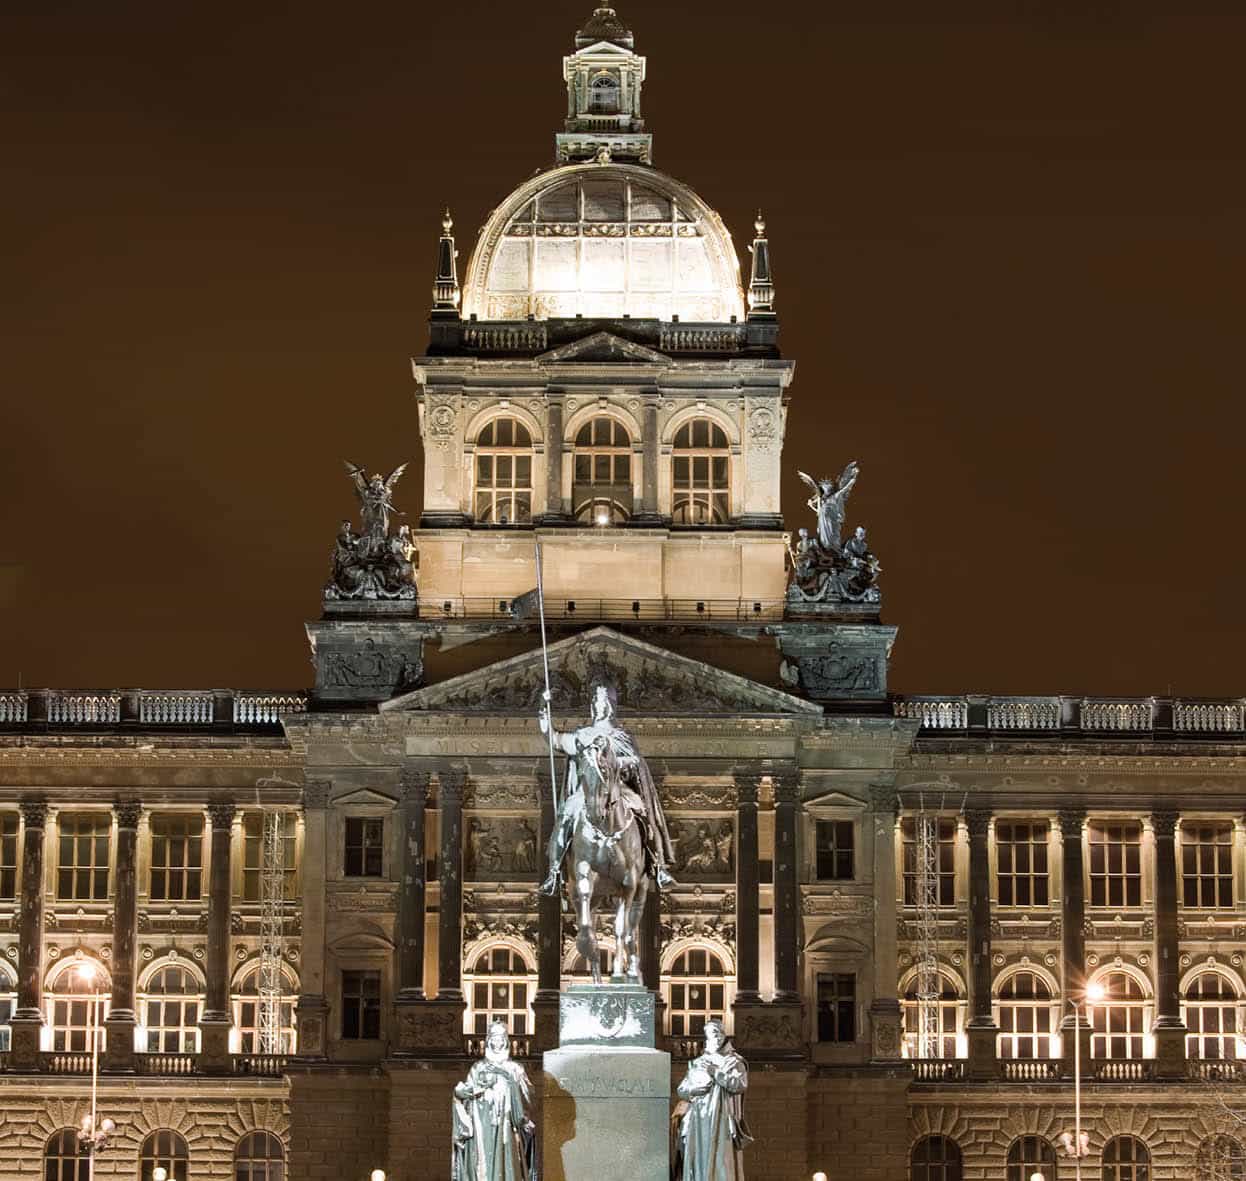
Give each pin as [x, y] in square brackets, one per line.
[1216, 1070]
[950, 713]
[642, 610]
[176, 709]
[474, 1045]
[938, 1070]
[164, 1064]
[1123, 1070]
[64, 1062]
[40, 709]
[1030, 1070]
[263, 1065]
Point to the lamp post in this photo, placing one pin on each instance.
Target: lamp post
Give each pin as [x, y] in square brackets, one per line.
[1078, 1145]
[94, 1133]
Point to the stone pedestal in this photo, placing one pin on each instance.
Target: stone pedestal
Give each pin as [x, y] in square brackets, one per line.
[835, 661]
[606, 1091]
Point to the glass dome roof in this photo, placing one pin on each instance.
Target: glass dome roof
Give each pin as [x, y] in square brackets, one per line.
[604, 241]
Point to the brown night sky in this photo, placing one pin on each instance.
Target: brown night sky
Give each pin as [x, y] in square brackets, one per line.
[1009, 240]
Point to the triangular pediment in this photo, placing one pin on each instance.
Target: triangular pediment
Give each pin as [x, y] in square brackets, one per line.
[365, 796]
[832, 799]
[604, 49]
[604, 346]
[647, 679]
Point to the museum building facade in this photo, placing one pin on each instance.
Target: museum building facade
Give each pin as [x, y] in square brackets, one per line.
[922, 918]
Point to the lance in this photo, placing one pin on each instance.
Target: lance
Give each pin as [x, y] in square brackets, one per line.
[549, 728]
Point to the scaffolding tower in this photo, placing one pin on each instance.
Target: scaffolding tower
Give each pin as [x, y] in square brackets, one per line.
[926, 878]
[272, 932]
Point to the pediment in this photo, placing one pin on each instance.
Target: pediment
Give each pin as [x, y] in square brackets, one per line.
[647, 679]
[604, 49]
[833, 799]
[365, 797]
[604, 346]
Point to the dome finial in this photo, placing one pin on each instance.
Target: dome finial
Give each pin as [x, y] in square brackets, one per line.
[447, 222]
[446, 288]
[604, 25]
[761, 289]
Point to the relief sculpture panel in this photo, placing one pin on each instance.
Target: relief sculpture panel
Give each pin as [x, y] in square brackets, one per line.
[500, 848]
[704, 849]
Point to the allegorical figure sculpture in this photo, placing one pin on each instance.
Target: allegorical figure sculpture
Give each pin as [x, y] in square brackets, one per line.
[494, 1136]
[372, 564]
[710, 1130]
[825, 568]
[611, 825]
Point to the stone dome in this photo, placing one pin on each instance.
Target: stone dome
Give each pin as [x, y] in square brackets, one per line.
[604, 241]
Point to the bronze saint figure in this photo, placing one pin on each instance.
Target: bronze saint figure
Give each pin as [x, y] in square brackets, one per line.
[494, 1136]
[710, 1130]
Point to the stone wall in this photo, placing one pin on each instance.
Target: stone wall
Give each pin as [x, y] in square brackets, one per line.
[858, 1123]
[339, 1123]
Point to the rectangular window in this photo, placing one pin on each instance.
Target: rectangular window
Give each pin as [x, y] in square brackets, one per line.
[83, 867]
[176, 858]
[1207, 863]
[943, 869]
[361, 1005]
[6, 1012]
[364, 838]
[1115, 863]
[1021, 862]
[837, 1007]
[8, 854]
[253, 855]
[835, 848]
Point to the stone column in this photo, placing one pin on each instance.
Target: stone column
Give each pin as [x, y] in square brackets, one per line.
[549, 927]
[122, 1018]
[1169, 1027]
[885, 1007]
[414, 789]
[786, 887]
[27, 1021]
[649, 512]
[747, 889]
[215, 1023]
[1073, 937]
[553, 462]
[981, 1027]
[312, 1009]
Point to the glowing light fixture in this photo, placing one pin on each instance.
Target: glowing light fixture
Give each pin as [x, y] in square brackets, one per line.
[1095, 992]
[378, 1175]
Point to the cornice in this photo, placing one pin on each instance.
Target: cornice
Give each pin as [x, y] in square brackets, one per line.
[27, 756]
[1106, 764]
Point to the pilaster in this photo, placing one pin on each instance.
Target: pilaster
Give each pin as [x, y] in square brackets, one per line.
[1169, 1026]
[27, 1021]
[1073, 937]
[981, 1028]
[119, 1054]
[312, 1009]
[215, 1022]
[885, 1007]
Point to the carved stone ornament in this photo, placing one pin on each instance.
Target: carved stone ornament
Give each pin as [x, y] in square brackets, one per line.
[762, 428]
[497, 848]
[442, 420]
[825, 568]
[425, 1027]
[371, 564]
[371, 667]
[704, 848]
[772, 1031]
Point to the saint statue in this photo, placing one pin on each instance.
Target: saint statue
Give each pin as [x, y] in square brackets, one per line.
[494, 1138]
[604, 756]
[711, 1132]
[829, 501]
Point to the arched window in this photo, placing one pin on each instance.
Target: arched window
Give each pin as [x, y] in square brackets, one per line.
[73, 1011]
[1126, 1158]
[1220, 1158]
[504, 473]
[1028, 1155]
[8, 1002]
[948, 1015]
[61, 1159]
[580, 974]
[500, 984]
[701, 467]
[1119, 1021]
[259, 1157]
[936, 1158]
[247, 1013]
[696, 990]
[1026, 1017]
[1211, 1017]
[171, 1002]
[164, 1149]
[604, 95]
[601, 493]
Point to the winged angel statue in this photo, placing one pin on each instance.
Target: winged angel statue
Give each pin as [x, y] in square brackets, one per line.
[371, 564]
[825, 568]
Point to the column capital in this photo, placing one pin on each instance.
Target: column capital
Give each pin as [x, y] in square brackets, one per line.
[978, 821]
[884, 798]
[128, 813]
[34, 813]
[786, 786]
[747, 787]
[1071, 821]
[413, 785]
[222, 813]
[1164, 823]
[316, 793]
[452, 783]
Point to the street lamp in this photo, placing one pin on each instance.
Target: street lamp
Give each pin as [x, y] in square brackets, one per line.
[95, 1132]
[1078, 1145]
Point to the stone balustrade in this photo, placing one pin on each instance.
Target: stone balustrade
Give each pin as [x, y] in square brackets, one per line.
[42, 709]
[259, 1065]
[1029, 1070]
[88, 708]
[1207, 717]
[165, 1064]
[938, 1070]
[678, 338]
[176, 709]
[12, 708]
[506, 338]
[1123, 1070]
[1034, 713]
[951, 713]
[267, 709]
[1117, 715]
[474, 1045]
[1216, 1070]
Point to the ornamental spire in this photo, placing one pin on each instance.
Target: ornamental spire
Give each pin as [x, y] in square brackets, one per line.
[446, 289]
[761, 287]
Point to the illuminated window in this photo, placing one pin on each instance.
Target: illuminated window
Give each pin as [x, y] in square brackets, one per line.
[1118, 1022]
[1029, 1155]
[1211, 1017]
[176, 858]
[936, 1158]
[602, 488]
[696, 991]
[837, 1007]
[504, 473]
[1115, 863]
[259, 1157]
[1220, 1158]
[61, 1159]
[83, 867]
[500, 984]
[164, 1149]
[947, 1020]
[364, 846]
[8, 854]
[247, 1013]
[1026, 1019]
[604, 95]
[605, 961]
[1021, 862]
[945, 861]
[172, 1001]
[834, 850]
[361, 1005]
[253, 855]
[71, 1007]
[701, 464]
[1126, 1158]
[8, 1002]
[1207, 864]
